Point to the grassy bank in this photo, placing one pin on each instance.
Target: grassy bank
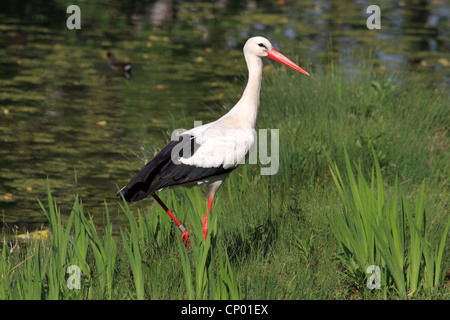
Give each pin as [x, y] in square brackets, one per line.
[308, 232]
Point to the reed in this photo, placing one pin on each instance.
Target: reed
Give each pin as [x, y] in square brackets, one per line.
[133, 251]
[374, 230]
[207, 270]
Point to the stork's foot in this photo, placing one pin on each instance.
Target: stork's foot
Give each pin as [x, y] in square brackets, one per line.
[205, 225]
[185, 239]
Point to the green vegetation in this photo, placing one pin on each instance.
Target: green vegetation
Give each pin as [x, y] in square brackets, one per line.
[308, 232]
[372, 232]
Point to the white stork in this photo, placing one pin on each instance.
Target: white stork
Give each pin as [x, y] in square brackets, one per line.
[205, 155]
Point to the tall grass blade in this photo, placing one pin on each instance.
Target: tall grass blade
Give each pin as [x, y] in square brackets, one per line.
[133, 251]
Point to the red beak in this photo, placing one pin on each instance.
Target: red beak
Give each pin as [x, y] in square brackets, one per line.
[275, 55]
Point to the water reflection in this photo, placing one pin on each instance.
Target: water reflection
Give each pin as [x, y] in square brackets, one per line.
[62, 108]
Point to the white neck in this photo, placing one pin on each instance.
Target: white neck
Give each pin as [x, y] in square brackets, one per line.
[246, 109]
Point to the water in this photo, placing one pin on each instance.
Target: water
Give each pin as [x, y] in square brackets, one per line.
[62, 109]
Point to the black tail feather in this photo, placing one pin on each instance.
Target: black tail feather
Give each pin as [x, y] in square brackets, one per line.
[161, 171]
[139, 186]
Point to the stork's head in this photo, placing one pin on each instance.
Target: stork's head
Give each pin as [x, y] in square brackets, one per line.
[262, 47]
[258, 46]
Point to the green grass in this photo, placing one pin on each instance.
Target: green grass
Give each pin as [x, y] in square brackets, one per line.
[308, 232]
[373, 231]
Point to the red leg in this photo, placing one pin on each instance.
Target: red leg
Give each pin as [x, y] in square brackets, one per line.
[185, 234]
[205, 218]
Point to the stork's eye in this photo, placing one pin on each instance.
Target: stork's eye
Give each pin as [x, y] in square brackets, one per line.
[262, 45]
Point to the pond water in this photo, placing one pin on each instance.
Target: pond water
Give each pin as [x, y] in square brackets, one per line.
[61, 108]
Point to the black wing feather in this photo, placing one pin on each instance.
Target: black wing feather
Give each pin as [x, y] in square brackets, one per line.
[162, 172]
